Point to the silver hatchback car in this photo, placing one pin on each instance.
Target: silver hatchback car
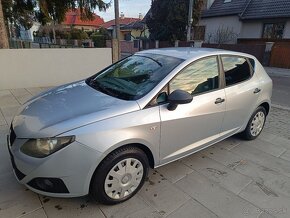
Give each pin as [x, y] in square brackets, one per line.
[99, 136]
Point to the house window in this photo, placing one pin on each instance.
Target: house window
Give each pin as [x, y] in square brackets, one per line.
[273, 30]
[199, 32]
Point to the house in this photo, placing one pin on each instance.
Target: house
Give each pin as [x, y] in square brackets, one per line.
[229, 20]
[28, 35]
[130, 28]
[73, 19]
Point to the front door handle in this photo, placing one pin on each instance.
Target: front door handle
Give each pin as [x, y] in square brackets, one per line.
[257, 90]
[219, 100]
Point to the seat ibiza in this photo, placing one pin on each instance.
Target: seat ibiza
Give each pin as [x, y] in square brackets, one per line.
[99, 136]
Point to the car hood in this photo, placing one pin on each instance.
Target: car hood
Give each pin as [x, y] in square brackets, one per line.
[65, 108]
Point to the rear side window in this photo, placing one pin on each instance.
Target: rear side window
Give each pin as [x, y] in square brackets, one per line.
[252, 61]
[236, 69]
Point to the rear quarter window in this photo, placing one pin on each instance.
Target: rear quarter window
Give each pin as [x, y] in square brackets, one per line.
[236, 69]
[253, 63]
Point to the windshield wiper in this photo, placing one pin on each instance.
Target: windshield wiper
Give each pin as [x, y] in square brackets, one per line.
[97, 85]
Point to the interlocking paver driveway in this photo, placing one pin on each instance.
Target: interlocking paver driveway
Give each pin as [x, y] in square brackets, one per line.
[233, 178]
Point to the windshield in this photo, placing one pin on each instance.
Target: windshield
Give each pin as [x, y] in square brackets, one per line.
[134, 76]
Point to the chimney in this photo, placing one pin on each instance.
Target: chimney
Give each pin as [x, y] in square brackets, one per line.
[140, 16]
[122, 15]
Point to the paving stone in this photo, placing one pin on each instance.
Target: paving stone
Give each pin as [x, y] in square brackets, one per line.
[70, 207]
[162, 194]
[22, 95]
[267, 200]
[15, 199]
[34, 91]
[7, 99]
[9, 113]
[47, 88]
[35, 214]
[2, 120]
[282, 142]
[277, 123]
[274, 139]
[229, 143]
[174, 171]
[270, 148]
[225, 177]
[132, 207]
[5, 164]
[286, 155]
[145, 213]
[192, 209]
[263, 159]
[262, 174]
[222, 155]
[265, 215]
[265, 136]
[220, 201]
[3, 133]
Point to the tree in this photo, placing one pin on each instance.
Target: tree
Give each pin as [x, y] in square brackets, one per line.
[53, 11]
[168, 19]
[25, 12]
[3, 31]
[224, 35]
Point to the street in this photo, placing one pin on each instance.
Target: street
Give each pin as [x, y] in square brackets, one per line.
[281, 91]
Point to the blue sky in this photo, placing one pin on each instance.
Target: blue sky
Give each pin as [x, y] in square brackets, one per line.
[131, 8]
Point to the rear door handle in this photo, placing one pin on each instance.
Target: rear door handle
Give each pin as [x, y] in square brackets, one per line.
[219, 100]
[257, 90]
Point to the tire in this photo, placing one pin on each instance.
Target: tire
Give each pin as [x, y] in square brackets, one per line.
[255, 124]
[113, 182]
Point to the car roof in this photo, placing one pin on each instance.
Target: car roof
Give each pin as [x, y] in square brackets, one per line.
[187, 53]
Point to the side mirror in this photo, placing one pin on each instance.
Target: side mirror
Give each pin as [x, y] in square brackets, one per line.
[178, 97]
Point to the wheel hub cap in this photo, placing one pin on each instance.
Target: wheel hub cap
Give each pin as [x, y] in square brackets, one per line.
[123, 178]
[257, 123]
[126, 179]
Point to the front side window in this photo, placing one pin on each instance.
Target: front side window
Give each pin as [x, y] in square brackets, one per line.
[273, 30]
[199, 77]
[236, 69]
[134, 76]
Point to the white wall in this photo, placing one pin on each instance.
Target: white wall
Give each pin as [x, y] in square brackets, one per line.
[212, 25]
[252, 30]
[23, 68]
[287, 30]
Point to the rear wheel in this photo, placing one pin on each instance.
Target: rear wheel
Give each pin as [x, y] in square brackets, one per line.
[119, 176]
[255, 124]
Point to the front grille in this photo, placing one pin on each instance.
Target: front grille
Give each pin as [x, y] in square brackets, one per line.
[52, 185]
[12, 136]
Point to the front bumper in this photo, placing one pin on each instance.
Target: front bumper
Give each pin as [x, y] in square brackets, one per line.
[65, 173]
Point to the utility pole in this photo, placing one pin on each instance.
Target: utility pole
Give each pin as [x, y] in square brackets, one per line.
[189, 19]
[116, 41]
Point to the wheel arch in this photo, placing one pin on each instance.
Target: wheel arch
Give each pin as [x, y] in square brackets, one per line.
[143, 147]
[265, 105]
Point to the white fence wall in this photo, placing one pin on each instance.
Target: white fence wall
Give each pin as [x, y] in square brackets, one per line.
[23, 68]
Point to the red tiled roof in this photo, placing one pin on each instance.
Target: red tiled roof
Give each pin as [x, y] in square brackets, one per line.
[73, 17]
[123, 21]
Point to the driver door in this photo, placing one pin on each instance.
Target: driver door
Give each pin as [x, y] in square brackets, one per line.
[195, 125]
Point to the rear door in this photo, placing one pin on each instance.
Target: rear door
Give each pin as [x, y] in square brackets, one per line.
[241, 97]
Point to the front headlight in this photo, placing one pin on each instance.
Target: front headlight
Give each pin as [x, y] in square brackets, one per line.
[40, 148]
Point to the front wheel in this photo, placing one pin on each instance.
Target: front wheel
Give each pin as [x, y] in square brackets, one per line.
[255, 124]
[120, 175]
